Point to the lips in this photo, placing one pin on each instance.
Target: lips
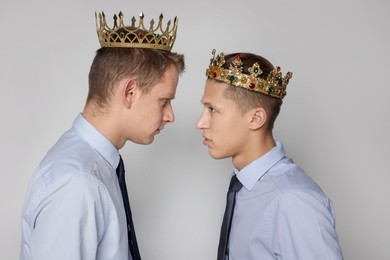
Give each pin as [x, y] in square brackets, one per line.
[206, 141]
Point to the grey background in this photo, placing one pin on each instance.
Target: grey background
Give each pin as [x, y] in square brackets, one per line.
[334, 121]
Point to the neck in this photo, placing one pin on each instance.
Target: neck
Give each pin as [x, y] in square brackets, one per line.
[257, 147]
[105, 122]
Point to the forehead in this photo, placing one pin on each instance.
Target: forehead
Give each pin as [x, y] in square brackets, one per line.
[168, 82]
[214, 96]
[214, 89]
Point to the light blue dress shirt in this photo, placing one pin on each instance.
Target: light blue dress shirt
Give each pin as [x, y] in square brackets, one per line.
[73, 207]
[281, 213]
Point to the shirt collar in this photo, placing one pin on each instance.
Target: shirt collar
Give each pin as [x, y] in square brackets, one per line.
[96, 140]
[250, 174]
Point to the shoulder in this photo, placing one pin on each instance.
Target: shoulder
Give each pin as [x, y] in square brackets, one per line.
[71, 154]
[70, 170]
[296, 194]
[290, 180]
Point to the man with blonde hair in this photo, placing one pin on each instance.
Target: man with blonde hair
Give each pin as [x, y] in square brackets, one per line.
[77, 205]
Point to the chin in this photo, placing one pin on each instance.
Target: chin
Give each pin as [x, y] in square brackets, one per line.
[144, 141]
[217, 156]
[149, 141]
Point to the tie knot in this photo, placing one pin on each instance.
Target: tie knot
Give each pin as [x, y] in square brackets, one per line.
[120, 170]
[235, 184]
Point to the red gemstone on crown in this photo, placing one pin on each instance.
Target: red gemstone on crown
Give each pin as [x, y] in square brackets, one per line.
[214, 75]
[278, 68]
[252, 85]
[141, 35]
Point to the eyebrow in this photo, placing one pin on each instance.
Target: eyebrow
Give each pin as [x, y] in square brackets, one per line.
[207, 103]
[169, 96]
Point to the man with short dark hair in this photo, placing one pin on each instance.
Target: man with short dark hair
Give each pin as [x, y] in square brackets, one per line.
[274, 210]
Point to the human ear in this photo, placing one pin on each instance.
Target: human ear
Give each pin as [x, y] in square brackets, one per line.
[129, 89]
[258, 118]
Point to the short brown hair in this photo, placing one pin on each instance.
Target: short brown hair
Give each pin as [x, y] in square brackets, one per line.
[248, 99]
[112, 64]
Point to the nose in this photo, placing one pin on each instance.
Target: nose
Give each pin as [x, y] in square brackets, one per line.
[201, 123]
[169, 116]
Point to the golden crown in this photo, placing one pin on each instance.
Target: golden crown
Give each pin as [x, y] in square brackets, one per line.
[133, 36]
[274, 86]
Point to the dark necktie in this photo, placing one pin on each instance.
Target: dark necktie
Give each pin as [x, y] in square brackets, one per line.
[120, 171]
[235, 185]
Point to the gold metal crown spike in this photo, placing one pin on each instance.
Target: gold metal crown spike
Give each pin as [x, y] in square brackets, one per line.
[133, 36]
[274, 86]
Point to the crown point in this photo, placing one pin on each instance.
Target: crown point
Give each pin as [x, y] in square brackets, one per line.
[141, 15]
[175, 20]
[115, 21]
[120, 14]
[161, 16]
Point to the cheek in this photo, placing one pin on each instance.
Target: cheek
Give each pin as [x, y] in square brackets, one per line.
[149, 118]
[223, 126]
[230, 133]
[158, 114]
[153, 109]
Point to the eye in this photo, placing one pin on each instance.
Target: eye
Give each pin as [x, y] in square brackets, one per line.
[165, 101]
[212, 110]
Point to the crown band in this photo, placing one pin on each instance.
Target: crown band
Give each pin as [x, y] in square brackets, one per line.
[274, 86]
[136, 36]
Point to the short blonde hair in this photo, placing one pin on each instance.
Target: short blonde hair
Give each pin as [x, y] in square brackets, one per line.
[111, 65]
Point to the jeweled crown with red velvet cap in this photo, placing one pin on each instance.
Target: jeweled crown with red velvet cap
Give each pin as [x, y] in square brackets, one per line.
[133, 36]
[274, 86]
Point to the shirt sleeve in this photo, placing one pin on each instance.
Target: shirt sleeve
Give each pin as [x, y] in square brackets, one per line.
[304, 229]
[69, 219]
